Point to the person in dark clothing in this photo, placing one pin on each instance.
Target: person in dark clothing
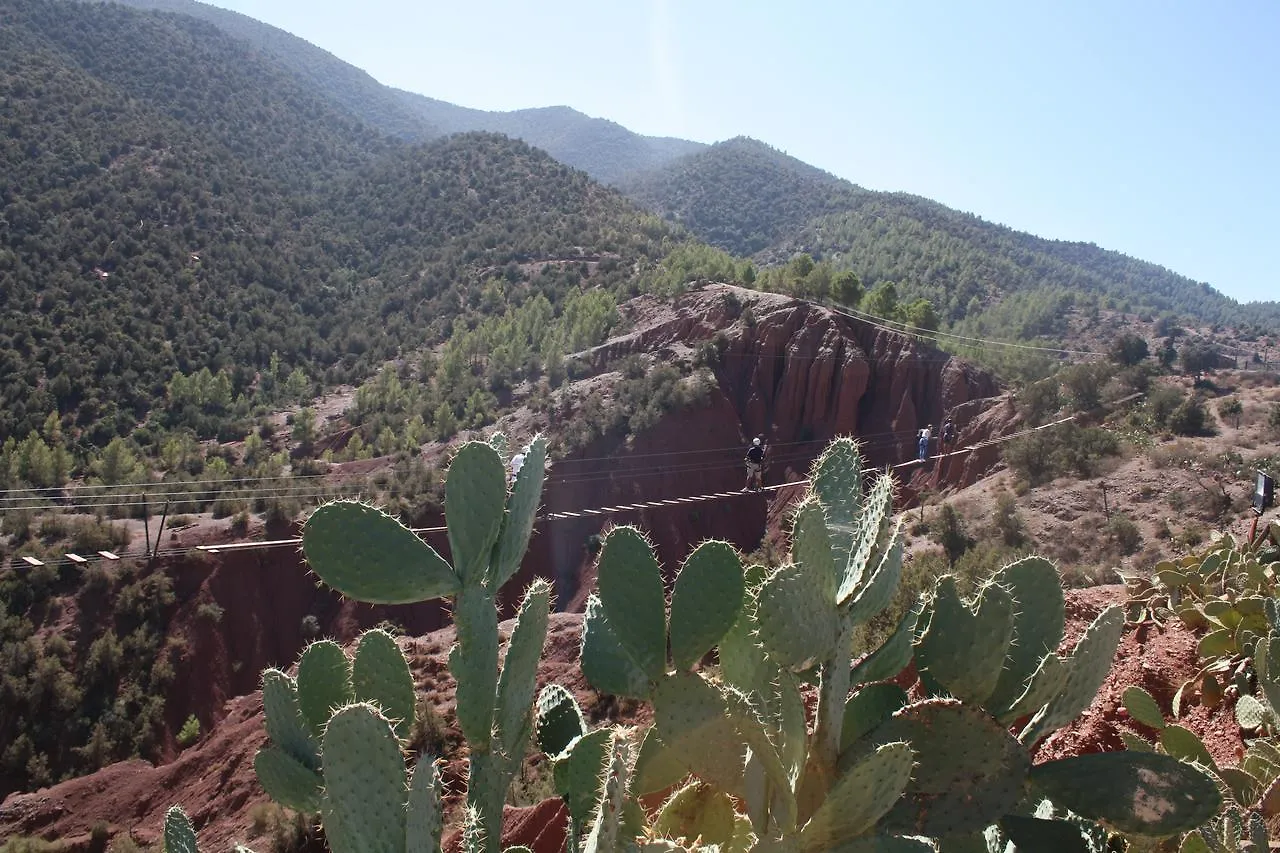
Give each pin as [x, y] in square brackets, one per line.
[755, 466]
[948, 435]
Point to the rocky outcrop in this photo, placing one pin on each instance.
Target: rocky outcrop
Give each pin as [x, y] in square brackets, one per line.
[794, 372]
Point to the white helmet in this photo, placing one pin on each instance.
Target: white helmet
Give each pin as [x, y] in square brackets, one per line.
[756, 442]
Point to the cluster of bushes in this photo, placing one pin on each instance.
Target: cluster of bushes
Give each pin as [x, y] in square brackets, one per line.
[1068, 449]
[68, 710]
[637, 402]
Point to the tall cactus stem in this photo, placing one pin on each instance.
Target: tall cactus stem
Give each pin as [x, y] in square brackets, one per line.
[832, 696]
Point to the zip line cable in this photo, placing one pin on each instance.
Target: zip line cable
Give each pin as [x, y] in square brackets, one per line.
[184, 488]
[886, 325]
[200, 496]
[555, 516]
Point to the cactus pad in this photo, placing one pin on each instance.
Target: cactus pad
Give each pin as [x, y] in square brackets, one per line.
[606, 664]
[1047, 682]
[577, 773]
[811, 547]
[324, 683]
[630, 586]
[520, 669]
[365, 785]
[522, 511]
[179, 834]
[559, 720]
[367, 555]
[474, 664]
[876, 594]
[798, 620]
[970, 771]
[380, 675]
[285, 727]
[692, 720]
[1250, 713]
[1087, 669]
[964, 650]
[743, 662]
[892, 657]
[697, 811]
[871, 530]
[1142, 707]
[861, 797]
[837, 481]
[867, 708]
[1031, 833]
[475, 498]
[1140, 792]
[287, 781]
[656, 766]
[1182, 743]
[1038, 623]
[425, 819]
[706, 602]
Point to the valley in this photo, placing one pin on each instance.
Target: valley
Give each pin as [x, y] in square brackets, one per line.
[242, 283]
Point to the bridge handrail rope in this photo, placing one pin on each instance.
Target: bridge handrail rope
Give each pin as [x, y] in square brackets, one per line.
[554, 516]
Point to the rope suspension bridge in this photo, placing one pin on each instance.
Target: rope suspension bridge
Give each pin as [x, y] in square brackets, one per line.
[587, 512]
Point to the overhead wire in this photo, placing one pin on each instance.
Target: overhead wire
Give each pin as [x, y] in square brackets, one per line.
[588, 511]
[888, 326]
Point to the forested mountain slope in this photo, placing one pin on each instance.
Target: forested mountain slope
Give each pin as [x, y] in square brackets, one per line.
[174, 202]
[742, 195]
[748, 198]
[603, 149]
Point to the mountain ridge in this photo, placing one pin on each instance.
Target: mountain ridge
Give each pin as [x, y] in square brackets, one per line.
[152, 164]
[641, 165]
[728, 195]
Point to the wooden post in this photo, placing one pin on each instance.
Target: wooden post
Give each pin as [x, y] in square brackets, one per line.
[1105, 506]
[159, 533]
[146, 526]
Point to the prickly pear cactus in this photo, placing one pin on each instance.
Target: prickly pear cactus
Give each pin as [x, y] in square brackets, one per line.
[877, 771]
[369, 556]
[298, 710]
[180, 835]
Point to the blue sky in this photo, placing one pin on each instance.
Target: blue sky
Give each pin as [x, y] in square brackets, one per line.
[1151, 128]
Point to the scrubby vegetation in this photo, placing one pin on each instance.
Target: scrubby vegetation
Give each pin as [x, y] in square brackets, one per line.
[68, 710]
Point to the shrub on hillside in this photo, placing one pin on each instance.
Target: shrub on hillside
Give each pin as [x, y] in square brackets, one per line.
[1191, 417]
[1066, 449]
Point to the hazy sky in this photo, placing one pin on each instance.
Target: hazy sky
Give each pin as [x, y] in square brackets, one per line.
[1147, 126]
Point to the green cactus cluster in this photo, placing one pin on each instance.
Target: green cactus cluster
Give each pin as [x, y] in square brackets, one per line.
[1250, 790]
[1222, 591]
[725, 662]
[877, 771]
[356, 715]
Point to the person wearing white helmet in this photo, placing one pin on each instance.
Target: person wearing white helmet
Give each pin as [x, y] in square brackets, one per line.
[755, 466]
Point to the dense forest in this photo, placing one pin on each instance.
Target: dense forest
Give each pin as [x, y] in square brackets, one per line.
[189, 221]
[603, 149]
[750, 199]
[174, 203]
